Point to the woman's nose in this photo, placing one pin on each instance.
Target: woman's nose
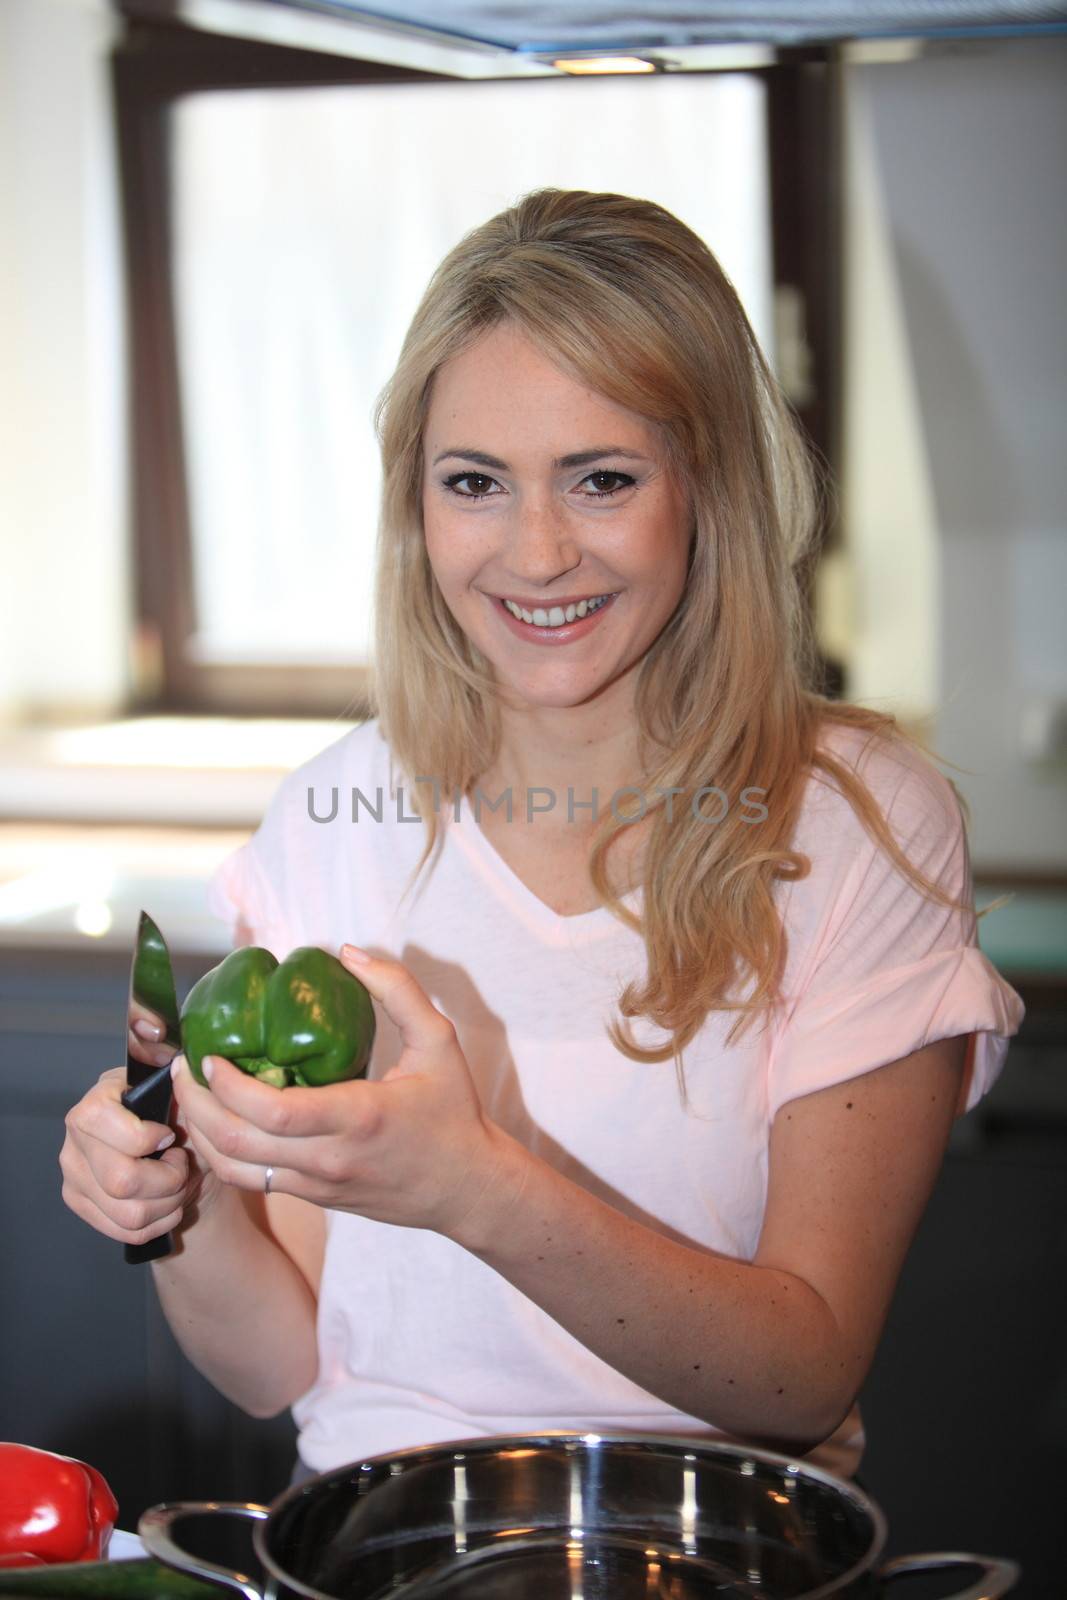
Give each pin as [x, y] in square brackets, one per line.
[541, 545]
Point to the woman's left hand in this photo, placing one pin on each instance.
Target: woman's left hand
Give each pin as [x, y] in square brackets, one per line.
[412, 1148]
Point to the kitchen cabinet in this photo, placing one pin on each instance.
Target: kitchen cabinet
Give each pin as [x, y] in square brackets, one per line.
[88, 1365]
[966, 1403]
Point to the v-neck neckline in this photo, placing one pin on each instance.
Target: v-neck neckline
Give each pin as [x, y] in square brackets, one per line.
[553, 925]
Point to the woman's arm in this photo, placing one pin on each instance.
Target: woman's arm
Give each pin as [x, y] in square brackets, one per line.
[776, 1349]
[240, 1289]
[240, 1294]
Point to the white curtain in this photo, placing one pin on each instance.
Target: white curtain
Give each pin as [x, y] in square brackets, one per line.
[307, 224]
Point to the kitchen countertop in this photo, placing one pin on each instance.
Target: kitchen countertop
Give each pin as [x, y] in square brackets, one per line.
[197, 771]
[102, 820]
[65, 886]
[1027, 938]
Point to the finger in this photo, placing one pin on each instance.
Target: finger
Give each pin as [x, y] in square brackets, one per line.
[120, 1184]
[266, 1114]
[421, 1025]
[179, 1161]
[220, 1134]
[144, 1022]
[147, 1053]
[253, 1175]
[87, 1209]
[120, 1178]
[240, 1154]
[102, 1117]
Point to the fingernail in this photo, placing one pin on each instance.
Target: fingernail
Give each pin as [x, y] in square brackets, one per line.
[148, 1030]
[354, 953]
[207, 1067]
[167, 1139]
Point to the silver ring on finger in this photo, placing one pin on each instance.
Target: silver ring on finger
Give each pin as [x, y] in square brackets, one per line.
[268, 1179]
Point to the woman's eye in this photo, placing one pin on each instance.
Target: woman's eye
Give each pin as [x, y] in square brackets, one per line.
[623, 481]
[464, 477]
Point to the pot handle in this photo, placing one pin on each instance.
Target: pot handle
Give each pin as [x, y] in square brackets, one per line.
[997, 1578]
[155, 1528]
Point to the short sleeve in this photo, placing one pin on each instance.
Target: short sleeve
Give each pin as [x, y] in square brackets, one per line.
[240, 890]
[890, 970]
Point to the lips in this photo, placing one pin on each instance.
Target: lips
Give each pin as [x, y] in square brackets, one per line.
[546, 635]
[548, 605]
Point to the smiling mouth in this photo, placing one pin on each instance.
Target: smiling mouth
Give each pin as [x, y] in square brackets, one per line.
[559, 613]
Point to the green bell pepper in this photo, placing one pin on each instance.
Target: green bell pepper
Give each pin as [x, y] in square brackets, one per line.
[305, 1020]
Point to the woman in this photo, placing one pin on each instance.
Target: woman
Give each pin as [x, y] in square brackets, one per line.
[524, 1219]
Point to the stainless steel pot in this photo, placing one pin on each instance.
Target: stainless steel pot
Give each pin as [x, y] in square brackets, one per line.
[567, 1516]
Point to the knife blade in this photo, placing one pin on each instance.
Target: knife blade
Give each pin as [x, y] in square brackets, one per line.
[152, 998]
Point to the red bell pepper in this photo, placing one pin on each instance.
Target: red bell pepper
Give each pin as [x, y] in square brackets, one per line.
[52, 1507]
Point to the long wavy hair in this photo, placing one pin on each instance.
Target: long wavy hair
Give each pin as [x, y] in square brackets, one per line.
[628, 300]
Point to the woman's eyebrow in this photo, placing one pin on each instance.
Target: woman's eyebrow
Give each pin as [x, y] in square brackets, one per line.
[580, 458]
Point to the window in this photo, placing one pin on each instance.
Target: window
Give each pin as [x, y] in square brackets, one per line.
[280, 234]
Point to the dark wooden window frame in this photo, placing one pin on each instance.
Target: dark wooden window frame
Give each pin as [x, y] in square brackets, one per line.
[154, 64]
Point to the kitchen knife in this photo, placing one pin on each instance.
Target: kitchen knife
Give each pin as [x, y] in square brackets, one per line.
[148, 1083]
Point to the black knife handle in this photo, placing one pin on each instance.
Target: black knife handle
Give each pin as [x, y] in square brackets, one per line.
[153, 1250]
[150, 1100]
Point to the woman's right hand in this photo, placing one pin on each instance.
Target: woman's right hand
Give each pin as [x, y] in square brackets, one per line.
[108, 1184]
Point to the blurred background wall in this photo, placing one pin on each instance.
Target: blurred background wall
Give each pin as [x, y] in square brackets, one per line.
[64, 587]
[956, 479]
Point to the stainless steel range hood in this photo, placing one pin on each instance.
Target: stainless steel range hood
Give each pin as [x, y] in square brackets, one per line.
[520, 38]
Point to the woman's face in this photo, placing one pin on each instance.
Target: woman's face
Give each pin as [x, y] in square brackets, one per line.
[506, 516]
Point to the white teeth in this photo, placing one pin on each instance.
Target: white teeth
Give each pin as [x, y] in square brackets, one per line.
[556, 616]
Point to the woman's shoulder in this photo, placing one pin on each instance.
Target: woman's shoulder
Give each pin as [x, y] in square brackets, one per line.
[321, 789]
[854, 893]
[901, 778]
[915, 802]
[284, 880]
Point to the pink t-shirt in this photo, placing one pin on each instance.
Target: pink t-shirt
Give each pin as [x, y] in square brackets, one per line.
[421, 1342]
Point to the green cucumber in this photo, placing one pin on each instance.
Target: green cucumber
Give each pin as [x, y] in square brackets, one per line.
[103, 1580]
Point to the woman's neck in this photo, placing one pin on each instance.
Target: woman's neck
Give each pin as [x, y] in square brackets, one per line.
[556, 762]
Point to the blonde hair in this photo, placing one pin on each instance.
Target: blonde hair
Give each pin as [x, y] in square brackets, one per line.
[624, 297]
